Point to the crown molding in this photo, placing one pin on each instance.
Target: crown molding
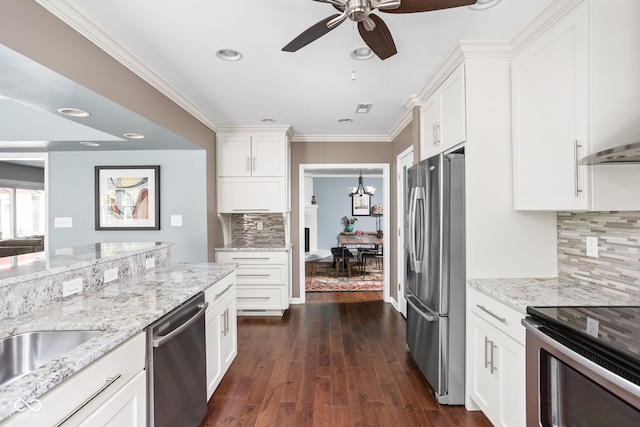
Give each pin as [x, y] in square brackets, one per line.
[341, 138]
[76, 20]
[278, 129]
[404, 121]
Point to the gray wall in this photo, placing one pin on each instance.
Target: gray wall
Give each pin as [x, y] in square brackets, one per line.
[334, 203]
[182, 192]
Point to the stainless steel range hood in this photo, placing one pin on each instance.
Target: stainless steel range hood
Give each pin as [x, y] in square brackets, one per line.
[623, 154]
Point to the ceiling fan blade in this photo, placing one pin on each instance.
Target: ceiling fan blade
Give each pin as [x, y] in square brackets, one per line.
[413, 6]
[311, 34]
[379, 39]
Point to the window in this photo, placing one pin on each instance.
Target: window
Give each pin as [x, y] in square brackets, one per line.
[22, 212]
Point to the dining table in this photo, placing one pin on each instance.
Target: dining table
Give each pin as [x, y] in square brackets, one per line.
[353, 239]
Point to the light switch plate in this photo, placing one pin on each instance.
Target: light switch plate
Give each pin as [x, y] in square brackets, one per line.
[150, 263]
[259, 225]
[63, 222]
[72, 287]
[592, 246]
[592, 327]
[176, 220]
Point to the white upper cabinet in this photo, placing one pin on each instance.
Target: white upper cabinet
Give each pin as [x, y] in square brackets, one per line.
[252, 155]
[253, 170]
[575, 88]
[549, 107]
[443, 116]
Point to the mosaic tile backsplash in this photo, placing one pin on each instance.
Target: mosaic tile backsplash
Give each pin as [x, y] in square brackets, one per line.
[617, 266]
[244, 229]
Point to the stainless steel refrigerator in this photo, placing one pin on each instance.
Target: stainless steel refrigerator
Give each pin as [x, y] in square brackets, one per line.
[435, 273]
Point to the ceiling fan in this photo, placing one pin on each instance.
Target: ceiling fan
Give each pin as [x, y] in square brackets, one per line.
[372, 28]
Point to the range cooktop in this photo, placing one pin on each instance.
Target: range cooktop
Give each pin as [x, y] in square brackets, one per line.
[612, 331]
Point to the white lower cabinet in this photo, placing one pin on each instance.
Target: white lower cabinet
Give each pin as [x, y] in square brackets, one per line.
[109, 392]
[221, 330]
[263, 280]
[496, 362]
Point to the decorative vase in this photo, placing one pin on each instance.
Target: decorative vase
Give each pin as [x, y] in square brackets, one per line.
[349, 228]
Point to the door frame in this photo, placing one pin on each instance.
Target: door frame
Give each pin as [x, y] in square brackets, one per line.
[403, 162]
[386, 189]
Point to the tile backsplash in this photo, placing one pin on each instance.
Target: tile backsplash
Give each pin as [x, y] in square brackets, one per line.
[244, 229]
[617, 266]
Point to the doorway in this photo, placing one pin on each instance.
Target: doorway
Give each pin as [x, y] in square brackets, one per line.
[352, 171]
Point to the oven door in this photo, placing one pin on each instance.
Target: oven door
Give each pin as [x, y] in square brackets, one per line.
[564, 388]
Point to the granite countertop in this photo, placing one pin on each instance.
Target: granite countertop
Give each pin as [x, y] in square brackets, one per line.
[121, 309]
[22, 268]
[521, 292]
[254, 247]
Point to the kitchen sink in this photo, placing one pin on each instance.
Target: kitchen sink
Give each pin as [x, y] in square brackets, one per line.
[23, 353]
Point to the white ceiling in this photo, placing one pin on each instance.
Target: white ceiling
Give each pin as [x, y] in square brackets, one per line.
[176, 41]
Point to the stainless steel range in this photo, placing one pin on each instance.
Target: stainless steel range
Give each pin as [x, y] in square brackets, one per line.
[583, 366]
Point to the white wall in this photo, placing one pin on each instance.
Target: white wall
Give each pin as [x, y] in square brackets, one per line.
[182, 192]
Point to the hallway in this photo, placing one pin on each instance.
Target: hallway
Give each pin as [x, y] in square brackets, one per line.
[338, 360]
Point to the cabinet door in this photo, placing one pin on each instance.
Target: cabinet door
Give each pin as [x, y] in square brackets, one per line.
[484, 385]
[126, 408]
[430, 127]
[229, 344]
[453, 117]
[511, 378]
[268, 156]
[549, 107]
[234, 156]
[214, 321]
[248, 195]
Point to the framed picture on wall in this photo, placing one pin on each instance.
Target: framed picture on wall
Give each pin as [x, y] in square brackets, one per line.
[361, 205]
[127, 197]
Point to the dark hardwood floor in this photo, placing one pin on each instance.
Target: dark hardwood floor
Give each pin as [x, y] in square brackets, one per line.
[338, 360]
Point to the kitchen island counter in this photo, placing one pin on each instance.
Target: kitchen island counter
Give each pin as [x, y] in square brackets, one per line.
[121, 309]
[518, 293]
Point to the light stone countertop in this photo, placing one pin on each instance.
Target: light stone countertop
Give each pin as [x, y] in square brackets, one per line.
[26, 267]
[521, 292]
[121, 308]
[230, 247]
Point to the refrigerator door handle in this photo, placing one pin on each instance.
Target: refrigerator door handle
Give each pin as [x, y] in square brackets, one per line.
[412, 227]
[418, 234]
[428, 317]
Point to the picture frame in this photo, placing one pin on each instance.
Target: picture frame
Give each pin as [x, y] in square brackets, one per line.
[127, 197]
[361, 205]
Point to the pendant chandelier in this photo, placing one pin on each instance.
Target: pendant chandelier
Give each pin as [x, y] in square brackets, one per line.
[361, 190]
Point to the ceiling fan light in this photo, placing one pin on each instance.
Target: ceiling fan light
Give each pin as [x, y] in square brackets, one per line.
[368, 23]
[358, 10]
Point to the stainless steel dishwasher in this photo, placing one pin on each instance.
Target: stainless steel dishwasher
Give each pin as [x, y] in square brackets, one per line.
[176, 366]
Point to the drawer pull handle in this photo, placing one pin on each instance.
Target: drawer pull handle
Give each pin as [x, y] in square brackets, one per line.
[256, 259]
[250, 210]
[483, 308]
[253, 275]
[256, 298]
[107, 383]
[220, 294]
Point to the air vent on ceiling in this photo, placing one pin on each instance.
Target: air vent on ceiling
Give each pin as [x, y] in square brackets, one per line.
[363, 108]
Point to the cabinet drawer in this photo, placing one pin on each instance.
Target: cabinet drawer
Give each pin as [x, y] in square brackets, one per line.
[217, 292]
[252, 257]
[252, 297]
[267, 275]
[505, 318]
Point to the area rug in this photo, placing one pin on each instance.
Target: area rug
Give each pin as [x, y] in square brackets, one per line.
[321, 277]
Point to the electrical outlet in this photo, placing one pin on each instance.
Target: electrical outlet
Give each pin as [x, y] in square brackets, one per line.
[63, 222]
[176, 220]
[150, 263]
[592, 327]
[259, 225]
[592, 246]
[110, 275]
[71, 287]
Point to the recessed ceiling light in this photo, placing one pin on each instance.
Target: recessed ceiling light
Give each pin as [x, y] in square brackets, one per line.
[483, 4]
[73, 112]
[133, 135]
[361, 53]
[345, 121]
[228, 54]
[90, 144]
[268, 120]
